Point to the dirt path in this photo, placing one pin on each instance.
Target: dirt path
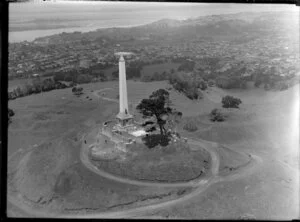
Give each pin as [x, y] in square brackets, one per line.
[96, 93]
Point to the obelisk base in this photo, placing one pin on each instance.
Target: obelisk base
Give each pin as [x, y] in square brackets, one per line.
[124, 120]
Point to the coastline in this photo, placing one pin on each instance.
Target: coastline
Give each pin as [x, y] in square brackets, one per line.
[31, 35]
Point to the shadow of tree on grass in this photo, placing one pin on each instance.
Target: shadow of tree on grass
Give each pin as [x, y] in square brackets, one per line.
[156, 139]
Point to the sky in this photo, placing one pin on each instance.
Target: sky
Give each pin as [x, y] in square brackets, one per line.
[143, 11]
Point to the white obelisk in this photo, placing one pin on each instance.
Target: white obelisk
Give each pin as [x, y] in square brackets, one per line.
[123, 116]
[122, 86]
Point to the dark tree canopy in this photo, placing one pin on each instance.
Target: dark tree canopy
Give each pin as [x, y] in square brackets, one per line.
[217, 115]
[156, 106]
[231, 102]
[77, 90]
[10, 114]
[160, 93]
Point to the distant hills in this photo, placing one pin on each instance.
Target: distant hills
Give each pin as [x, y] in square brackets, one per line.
[213, 26]
[232, 21]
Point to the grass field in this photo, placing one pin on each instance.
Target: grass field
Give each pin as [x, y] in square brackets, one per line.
[161, 164]
[44, 166]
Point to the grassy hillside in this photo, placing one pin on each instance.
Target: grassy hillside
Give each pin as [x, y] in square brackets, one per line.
[47, 128]
[44, 146]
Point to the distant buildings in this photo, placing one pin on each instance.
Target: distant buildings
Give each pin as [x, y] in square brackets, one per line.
[84, 63]
[57, 53]
[223, 82]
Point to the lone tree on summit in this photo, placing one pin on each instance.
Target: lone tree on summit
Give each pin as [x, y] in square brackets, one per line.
[157, 105]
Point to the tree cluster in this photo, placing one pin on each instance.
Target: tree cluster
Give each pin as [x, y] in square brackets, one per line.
[217, 116]
[37, 86]
[270, 79]
[83, 75]
[188, 85]
[156, 76]
[187, 65]
[231, 82]
[77, 90]
[10, 114]
[158, 105]
[78, 77]
[231, 102]
[132, 72]
[190, 126]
